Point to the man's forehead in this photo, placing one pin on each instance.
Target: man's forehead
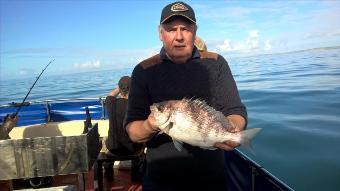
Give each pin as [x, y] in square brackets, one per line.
[178, 19]
[178, 22]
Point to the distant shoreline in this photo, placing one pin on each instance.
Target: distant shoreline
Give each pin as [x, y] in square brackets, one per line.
[225, 54]
[288, 52]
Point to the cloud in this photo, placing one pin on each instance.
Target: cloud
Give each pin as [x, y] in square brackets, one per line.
[280, 25]
[252, 43]
[80, 59]
[214, 12]
[267, 45]
[25, 71]
[22, 72]
[232, 15]
[128, 58]
[324, 33]
[88, 65]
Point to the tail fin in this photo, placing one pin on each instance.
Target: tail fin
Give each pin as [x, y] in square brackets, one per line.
[246, 137]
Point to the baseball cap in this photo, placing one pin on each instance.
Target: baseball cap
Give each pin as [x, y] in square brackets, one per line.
[178, 8]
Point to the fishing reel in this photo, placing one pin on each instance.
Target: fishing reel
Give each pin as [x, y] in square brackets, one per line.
[87, 122]
[7, 117]
[7, 125]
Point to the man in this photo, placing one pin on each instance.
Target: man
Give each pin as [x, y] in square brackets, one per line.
[200, 45]
[181, 71]
[118, 141]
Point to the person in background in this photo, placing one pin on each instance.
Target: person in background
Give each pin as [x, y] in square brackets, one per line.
[118, 141]
[180, 71]
[200, 45]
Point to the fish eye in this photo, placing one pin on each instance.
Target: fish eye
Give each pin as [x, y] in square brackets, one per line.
[160, 107]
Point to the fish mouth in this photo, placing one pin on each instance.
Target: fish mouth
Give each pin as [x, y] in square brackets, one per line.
[156, 112]
[153, 108]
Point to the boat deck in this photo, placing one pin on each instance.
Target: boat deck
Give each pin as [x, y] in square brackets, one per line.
[120, 182]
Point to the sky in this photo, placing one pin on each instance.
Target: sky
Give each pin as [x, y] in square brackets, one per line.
[92, 35]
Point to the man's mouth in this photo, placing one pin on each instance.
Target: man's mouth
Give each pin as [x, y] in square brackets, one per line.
[179, 46]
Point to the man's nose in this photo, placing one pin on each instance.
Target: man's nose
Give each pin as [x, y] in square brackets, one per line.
[179, 35]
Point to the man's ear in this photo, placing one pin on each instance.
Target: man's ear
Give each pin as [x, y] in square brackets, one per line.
[160, 33]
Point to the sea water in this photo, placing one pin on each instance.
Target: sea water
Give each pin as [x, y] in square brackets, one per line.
[294, 97]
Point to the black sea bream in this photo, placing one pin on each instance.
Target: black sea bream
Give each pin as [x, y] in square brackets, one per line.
[196, 123]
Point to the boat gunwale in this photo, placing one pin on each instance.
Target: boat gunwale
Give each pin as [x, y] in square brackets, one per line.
[56, 101]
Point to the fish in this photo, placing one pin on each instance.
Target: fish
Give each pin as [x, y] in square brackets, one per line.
[194, 122]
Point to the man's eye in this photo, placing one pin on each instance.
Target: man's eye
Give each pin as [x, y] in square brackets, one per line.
[168, 29]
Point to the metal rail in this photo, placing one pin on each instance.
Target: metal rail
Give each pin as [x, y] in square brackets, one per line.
[47, 103]
[256, 168]
[56, 100]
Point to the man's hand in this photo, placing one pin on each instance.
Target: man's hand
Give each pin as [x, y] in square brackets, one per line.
[236, 123]
[227, 145]
[114, 92]
[142, 130]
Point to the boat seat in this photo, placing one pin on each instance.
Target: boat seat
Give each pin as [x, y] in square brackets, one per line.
[110, 157]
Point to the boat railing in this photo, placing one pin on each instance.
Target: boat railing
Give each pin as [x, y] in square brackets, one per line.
[51, 100]
[42, 111]
[260, 177]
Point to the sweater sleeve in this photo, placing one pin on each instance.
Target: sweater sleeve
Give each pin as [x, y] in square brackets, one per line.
[226, 92]
[139, 101]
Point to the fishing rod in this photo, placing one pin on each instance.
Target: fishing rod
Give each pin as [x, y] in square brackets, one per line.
[22, 103]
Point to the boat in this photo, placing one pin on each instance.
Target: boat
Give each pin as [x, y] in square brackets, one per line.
[64, 120]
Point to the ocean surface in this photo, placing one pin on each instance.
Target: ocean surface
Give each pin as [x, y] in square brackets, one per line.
[294, 97]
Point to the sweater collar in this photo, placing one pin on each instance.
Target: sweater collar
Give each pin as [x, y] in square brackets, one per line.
[195, 54]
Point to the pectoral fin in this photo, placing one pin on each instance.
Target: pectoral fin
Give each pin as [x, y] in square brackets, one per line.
[168, 127]
[209, 148]
[178, 144]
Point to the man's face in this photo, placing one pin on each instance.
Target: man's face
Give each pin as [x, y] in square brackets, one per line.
[178, 37]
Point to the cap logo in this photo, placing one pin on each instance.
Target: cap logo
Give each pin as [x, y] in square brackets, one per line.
[178, 7]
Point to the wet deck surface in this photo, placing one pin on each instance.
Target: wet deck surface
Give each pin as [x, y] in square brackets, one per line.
[121, 182]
